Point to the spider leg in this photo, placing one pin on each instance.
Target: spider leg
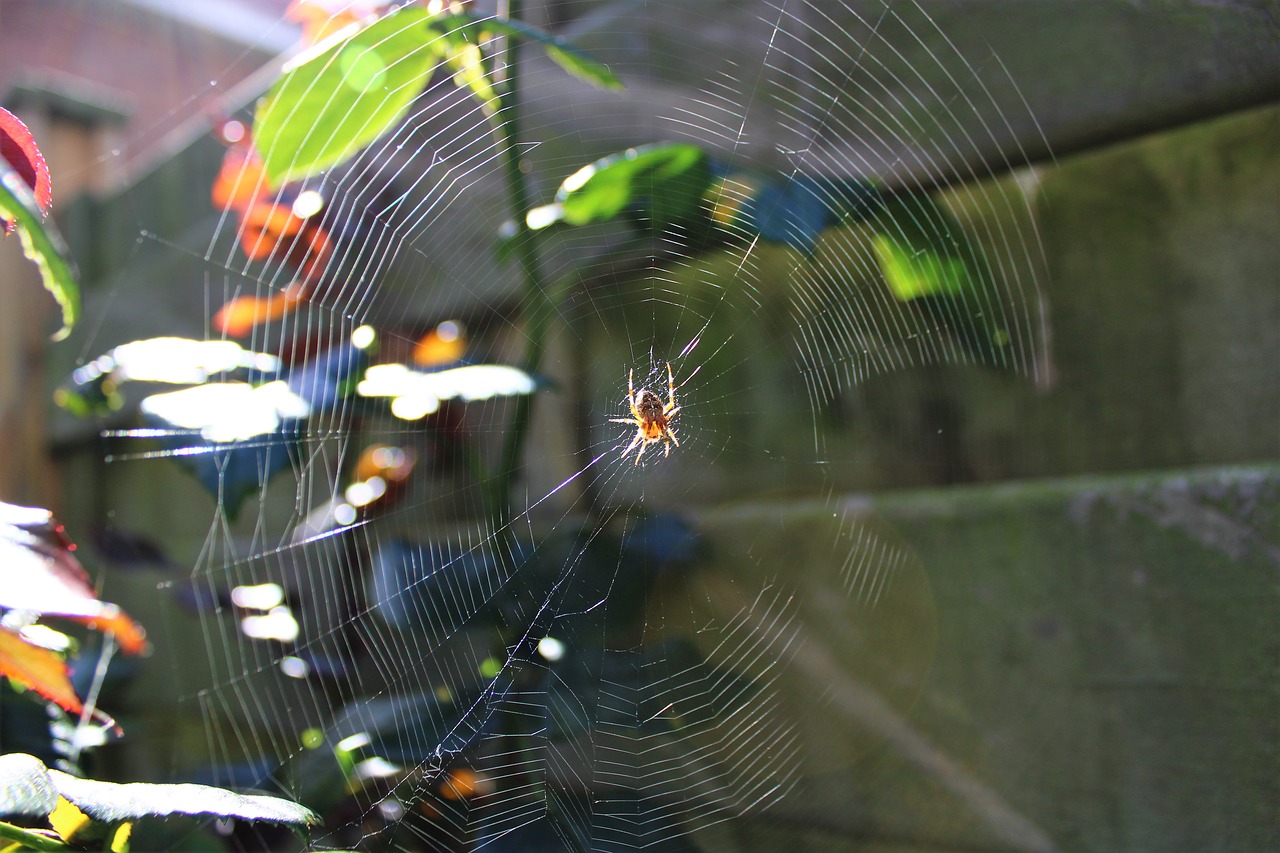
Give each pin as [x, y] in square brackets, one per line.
[671, 435]
[643, 445]
[631, 401]
[670, 413]
[633, 443]
[671, 386]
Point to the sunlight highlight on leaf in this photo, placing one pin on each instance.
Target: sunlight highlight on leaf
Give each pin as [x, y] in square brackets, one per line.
[94, 387]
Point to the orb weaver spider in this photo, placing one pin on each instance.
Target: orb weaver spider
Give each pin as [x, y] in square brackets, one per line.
[650, 417]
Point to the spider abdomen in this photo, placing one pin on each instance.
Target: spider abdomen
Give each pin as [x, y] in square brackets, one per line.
[649, 406]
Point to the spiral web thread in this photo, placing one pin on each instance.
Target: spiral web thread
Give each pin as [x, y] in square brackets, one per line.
[639, 742]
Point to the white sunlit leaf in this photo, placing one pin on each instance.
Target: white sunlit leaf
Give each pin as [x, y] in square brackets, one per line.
[579, 179]
[415, 394]
[363, 337]
[294, 667]
[278, 625]
[262, 596]
[46, 638]
[182, 361]
[353, 742]
[551, 648]
[411, 408]
[308, 204]
[228, 411]
[541, 217]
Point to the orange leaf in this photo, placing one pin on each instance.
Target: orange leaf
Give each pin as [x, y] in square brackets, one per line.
[240, 181]
[37, 669]
[257, 244]
[444, 344]
[127, 633]
[239, 316]
[392, 464]
[273, 217]
[464, 783]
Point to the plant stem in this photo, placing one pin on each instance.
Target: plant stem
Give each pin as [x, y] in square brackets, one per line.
[538, 300]
[30, 839]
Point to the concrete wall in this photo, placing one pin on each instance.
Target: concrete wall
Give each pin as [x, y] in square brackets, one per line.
[1079, 664]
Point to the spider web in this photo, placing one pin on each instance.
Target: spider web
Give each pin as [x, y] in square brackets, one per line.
[629, 660]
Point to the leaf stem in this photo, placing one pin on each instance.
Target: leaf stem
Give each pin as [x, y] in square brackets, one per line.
[538, 299]
[31, 839]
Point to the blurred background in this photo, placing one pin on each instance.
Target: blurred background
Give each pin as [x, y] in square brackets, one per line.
[1079, 650]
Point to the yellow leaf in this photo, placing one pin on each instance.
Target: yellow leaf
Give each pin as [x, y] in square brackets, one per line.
[67, 820]
[120, 841]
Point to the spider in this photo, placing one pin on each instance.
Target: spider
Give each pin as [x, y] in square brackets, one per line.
[650, 417]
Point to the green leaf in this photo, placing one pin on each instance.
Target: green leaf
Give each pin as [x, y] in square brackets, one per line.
[927, 260]
[329, 106]
[577, 62]
[466, 62]
[920, 250]
[912, 272]
[664, 183]
[41, 243]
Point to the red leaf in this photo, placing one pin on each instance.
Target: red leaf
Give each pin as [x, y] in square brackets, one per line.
[40, 574]
[18, 146]
[37, 669]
